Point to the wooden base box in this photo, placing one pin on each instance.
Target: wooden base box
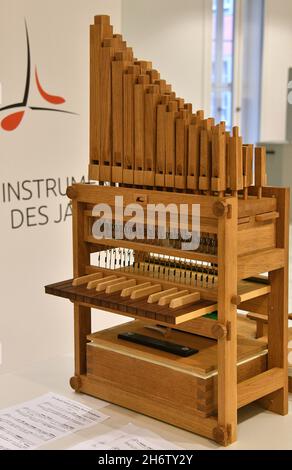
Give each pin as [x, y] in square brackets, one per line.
[188, 385]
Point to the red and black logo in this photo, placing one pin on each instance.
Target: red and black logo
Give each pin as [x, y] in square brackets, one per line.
[13, 120]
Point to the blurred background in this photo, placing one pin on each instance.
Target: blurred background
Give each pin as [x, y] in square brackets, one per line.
[229, 57]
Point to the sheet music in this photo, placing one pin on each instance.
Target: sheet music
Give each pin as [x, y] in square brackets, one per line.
[36, 422]
[129, 437]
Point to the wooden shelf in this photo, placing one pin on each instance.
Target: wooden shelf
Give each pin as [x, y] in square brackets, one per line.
[260, 262]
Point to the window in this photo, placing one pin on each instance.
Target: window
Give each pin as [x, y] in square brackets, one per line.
[222, 61]
[228, 7]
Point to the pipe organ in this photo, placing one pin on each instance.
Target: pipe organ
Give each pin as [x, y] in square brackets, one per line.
[184, 356]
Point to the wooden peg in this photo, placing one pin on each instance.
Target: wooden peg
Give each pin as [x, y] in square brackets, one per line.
[76, 383]
[71, 192]
[219, 331]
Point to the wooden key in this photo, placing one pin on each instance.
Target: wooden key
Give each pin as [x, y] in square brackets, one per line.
[185, 300]
[79, 281]
[157, 296]
[120, 286]
[103, 285]
[128, 290]
[145, 291]
[93, 284]
[168, 298]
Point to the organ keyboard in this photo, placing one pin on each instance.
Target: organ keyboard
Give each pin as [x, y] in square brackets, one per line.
[148, 148]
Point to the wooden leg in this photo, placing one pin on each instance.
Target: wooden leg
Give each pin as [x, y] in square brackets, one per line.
[82, 328]
[82, 315]
[226, 433]
[278, 339]
[278, 306]
[290, 384]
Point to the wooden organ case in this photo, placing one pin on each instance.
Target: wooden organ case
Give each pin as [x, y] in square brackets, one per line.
[148, 146]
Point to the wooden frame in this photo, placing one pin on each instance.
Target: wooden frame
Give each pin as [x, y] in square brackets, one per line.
[270, 388]
[142, 134]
